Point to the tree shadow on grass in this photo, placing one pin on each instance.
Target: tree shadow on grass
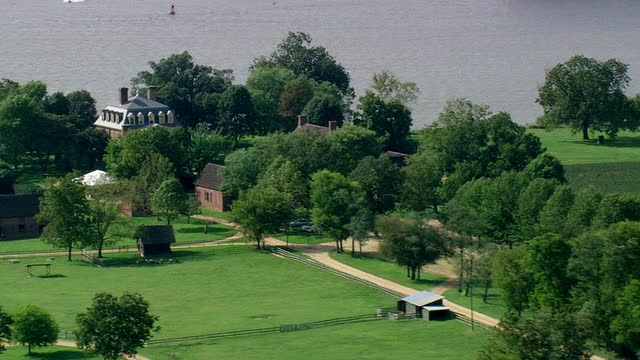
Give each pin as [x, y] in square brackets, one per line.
[51, 276]
[618, 142]
[199, 229]
[63, 355]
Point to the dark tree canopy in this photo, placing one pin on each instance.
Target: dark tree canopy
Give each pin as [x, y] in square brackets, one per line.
[237, 116]
[183, 85]
[115, 326]
[585, 94]
[34, 327]
[391, 121]
[266, 85]
[296, 54]
[5, 328]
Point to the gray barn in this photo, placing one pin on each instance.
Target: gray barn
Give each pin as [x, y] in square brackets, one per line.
[424, 304]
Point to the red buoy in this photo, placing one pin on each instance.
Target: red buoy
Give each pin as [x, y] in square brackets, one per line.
[173, 10]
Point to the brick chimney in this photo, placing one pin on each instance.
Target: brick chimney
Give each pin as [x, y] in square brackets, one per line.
[302, 120]
[333, 125]
[152, 91]
[124, 95]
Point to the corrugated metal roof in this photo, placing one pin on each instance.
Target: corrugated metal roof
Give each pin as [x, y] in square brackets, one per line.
[422, 298]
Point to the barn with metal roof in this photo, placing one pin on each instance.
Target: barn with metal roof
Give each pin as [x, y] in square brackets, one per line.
[424, 304]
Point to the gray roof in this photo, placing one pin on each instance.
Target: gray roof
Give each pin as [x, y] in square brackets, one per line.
[19, 205]
[140, 103]
[155, 234]
[422, 298]
[211, 177]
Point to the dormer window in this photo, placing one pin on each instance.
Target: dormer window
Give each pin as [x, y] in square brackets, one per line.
[111, 117]
[152, 118]
[105, 116]
[131, 119]
[170, 116]
[160, 117]
[140, 119]
[117, 118]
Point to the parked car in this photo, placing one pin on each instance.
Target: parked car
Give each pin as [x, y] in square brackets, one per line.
[298, 223]
[311, 228]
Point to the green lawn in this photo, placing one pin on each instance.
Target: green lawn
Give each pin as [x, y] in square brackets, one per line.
[217, 214]
[611, 167]
[384, 339]
[209, 290]
[48, 353]
[185, 234]
[30, 179]
[387, 270]
[493, 307]
[571, 150]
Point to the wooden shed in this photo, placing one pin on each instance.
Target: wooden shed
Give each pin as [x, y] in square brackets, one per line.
[154, 239]
[424, 304]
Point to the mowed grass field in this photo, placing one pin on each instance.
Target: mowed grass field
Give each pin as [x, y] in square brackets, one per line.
[610, 167]
[225, 288]
[186, 233]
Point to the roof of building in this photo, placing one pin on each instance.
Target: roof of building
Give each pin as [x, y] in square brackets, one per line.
[436, 308]
[96, 177]
[422, 298]
[140, 103]
[313, 128]
[155, 234]
[211, 177]
[134, 106]
[19, 205]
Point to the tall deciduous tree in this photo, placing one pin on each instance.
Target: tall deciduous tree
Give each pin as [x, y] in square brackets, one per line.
[422, 179]
[260, 212]
[390, 89]
[237, 116]
[266, 85]
[34, 327]
[169, 200]
[82, 106]
[114, 326]
[411, 242]
[184, 85]
[584, 94]
[553, 216]
[335, 200]
[626, 325]
[547, 259]
[64, 209]
[391, 121]
[326, 105]
[294, 97]
[512, 276]
[381, 180]
[296, 54]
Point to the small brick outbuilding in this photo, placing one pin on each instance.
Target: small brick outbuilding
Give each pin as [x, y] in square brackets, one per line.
[209, 188]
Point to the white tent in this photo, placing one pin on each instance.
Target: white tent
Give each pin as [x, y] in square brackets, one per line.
[97, 177]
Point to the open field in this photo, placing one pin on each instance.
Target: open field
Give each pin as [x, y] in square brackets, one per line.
[48, 353]
[185, 234]
[387, 270]
[611, 167]
[227, 288]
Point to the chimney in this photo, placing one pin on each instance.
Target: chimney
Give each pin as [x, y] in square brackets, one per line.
[333, 125]
[302, 120]
[124, 95]
[152, 91]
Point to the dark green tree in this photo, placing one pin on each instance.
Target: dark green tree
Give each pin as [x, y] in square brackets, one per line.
[626, 325]
[391, 121]
[237, 116]
[266, 85]
[582, 215]
[296, 54]
[335, 201]
[346, 146]
[82, 106]
[511, 274]
[553, 216]
[422, 180]
[530, 202]
[260, 212]
[64, 209]
[34, 327]
[114, 326]
[546, 166]
[547, 260]
[381, 180]
[294, 97]
[584, 94]
[242, 170]
[325, 105]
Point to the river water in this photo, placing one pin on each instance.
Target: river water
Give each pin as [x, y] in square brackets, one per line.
[490, 51]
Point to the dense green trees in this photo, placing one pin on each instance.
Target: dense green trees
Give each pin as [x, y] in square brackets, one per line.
[115, 326]
[34, 327]
[237, 116]
[266, 85]
[169, 200]
[188, 88]
[391, 121]
[381, 180]
[586, 94]
[296, 54]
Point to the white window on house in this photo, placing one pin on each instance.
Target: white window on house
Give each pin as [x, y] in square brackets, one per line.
[118, 118]
[131, 119]
[110, 117]
[170, 116]
[160, 117]
[140, 119]
[152, 118]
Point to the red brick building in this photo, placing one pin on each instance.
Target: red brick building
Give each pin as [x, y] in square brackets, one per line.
[209, 188]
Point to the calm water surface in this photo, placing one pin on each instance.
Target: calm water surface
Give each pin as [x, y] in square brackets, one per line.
[490, 51]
